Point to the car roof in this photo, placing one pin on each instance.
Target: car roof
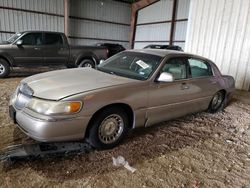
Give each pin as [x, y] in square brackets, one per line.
[109, 44]
[164, 53]
[158, 52]
[37, 31]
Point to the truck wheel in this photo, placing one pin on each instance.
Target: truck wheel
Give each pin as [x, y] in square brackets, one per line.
[108, 128]
[4, 68]
[86, 63]
[217, 103]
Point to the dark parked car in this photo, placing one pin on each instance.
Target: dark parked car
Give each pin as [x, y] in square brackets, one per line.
[42, 48]
[112, 48]
[166, 47]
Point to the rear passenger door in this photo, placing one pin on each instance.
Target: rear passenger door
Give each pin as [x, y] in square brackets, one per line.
[56, 51]
[202, 83]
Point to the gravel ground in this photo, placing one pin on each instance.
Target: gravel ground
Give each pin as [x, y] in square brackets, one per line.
[201, 150]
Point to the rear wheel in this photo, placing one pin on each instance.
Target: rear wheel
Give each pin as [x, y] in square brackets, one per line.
[217, 103]
[86, 63]
[108, 128]
[4, 68]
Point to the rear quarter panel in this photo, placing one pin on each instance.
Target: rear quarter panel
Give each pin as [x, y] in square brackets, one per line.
[77, 53]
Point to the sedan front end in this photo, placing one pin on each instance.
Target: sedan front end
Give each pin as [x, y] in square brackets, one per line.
[46, 120]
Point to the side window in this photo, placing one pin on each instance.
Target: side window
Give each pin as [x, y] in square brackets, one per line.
[53, 39]
[177, 67]
[199, 68]
[32, 39]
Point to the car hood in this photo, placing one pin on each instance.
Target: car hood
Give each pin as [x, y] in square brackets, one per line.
[56, 85]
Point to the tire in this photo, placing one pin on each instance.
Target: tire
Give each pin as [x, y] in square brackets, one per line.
[108, 128]
[70, 66]
[86, 63]
[4, 68]
[218, 102]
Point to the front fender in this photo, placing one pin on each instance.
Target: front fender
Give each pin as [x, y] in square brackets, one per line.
[8, 57]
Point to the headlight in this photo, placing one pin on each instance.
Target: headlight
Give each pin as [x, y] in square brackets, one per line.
[13, 97]
[54, 107]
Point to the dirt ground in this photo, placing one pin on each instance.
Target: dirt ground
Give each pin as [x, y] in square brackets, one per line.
[201, 150]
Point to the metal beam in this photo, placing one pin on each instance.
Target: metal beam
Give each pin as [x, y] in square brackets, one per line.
[172, 29]
[66, 17]
[135, 7]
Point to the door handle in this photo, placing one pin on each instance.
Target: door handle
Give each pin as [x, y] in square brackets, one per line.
[213, 82]
[37, 48]
[184, 86]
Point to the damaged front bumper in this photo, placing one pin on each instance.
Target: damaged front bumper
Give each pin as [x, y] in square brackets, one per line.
[49, 129]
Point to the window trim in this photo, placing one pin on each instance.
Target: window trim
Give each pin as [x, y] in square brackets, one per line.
[202, 60]
[27, 33]
[184, 58]
[62, 38]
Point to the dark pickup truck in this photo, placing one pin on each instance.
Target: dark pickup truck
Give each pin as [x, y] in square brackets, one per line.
[42, 48]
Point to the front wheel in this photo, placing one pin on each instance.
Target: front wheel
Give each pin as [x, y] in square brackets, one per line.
[86, 63]
[108, 128]
[4, 68]
[217, 103]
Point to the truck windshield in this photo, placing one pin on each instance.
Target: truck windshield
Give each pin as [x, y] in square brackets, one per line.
[135, 65]
[13, 38]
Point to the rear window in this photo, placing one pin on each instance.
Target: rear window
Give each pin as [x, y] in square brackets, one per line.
[199, 68]
[53, 39]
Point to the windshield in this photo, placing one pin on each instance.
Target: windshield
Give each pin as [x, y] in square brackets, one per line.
[14, 37]
[133, 65]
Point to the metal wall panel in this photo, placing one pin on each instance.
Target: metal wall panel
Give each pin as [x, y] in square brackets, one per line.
[12, 20]
[49, 6]
[180, 31]
[141, 45]
[91, 42]
[183, 9]
[92, 29]
[220, 30]
[105, 11]
[155, 32]
[17, 15]
[4, 36]
[159, 11]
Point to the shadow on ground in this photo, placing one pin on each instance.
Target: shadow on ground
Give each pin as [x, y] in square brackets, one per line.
[141, 144]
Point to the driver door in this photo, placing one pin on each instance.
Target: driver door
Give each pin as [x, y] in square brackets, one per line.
[168, 100]
[30, 52]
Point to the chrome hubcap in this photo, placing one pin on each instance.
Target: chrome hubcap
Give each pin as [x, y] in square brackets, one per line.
[111, 129]
[217, 100]
[2, 69]
[85, 65]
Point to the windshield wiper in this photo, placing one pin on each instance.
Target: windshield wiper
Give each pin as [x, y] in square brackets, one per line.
[106, 71]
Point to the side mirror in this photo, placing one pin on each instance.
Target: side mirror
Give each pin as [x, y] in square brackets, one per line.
[165, 77]
[101, 61]
[19, 42]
